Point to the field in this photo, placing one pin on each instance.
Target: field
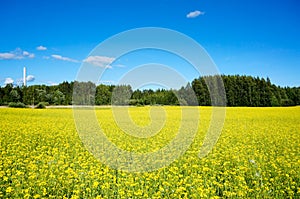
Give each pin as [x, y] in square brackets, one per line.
[257, 156]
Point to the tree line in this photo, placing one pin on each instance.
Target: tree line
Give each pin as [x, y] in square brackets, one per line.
[239, 90]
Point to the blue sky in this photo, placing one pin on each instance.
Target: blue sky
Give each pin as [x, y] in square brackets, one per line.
[52, 38]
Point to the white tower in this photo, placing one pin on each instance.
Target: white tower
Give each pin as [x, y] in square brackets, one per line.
[24, 76]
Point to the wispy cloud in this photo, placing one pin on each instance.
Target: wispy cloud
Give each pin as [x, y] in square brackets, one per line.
[16, 54]
[108, 82]
[41, 48]
[120, 65]
[195, 14]
[46, 57]
[8, 80]
[101, 61]
[59, 57]
[52, 83]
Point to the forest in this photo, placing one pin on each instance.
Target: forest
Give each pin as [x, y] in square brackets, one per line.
[240, 91]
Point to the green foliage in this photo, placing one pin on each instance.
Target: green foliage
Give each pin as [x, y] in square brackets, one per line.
[239, 91]
[42, 105]
[14, 95]
[187, 96]
[121, 95]
[248, 91]
[103, 95]
[16, 105]
[84, 93]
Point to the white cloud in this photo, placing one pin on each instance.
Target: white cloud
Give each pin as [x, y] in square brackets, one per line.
[101, 61]
[194, 14]
[27, 54]
[7, 56]
[59, 57]
[16, 54]
[8, 80]
[41, 48]
[30, 78]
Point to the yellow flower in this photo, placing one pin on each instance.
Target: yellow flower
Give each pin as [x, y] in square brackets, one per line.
[9, 190]
[43, 156]
[36, 196]
[95, 184]
[75, 197]
[44, 191]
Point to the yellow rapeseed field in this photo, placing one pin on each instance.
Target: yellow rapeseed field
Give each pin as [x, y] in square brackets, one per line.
[257, 156]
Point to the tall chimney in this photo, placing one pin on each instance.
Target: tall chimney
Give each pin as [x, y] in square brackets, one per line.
[24, 76]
